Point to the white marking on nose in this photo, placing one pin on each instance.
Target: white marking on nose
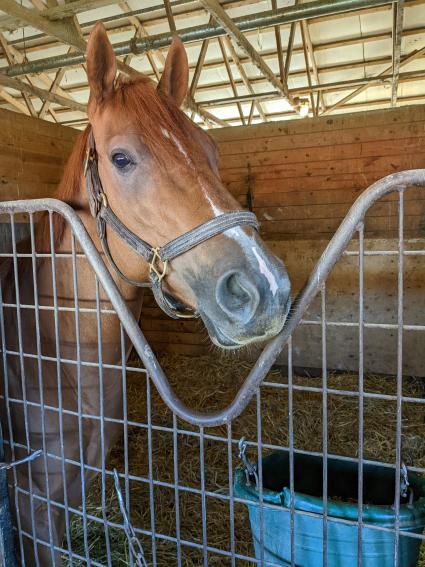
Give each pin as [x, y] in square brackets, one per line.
[266, 272]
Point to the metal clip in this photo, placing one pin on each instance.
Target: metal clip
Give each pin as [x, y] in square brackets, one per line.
[250, 469]
[404, 481]
[153, 264]
[134, 544]
[26, 459]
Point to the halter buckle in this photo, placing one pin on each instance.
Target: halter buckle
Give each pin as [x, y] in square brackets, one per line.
[153, 264]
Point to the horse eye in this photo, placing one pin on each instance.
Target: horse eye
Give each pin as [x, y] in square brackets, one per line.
[120, 160]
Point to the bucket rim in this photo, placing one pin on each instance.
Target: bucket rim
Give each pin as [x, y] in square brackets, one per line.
[411, 517]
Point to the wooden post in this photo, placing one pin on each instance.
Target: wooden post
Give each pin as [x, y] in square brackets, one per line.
[7, 554]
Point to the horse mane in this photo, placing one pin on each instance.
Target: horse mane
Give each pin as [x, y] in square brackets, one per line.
[164, 128]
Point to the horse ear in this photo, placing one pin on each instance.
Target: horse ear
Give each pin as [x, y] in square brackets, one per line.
[101, 64]
[175, 77]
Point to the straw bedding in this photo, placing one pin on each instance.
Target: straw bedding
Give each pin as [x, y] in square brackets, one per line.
[208, 383]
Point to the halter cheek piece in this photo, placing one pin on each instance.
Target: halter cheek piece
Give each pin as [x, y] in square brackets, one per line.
[156, 257]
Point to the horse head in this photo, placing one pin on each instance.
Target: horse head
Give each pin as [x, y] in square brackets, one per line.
[159, 172]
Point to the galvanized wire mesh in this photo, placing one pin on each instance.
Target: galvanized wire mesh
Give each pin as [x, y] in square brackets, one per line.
[87, 398]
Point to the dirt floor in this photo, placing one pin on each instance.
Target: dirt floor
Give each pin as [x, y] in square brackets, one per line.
[209, 383]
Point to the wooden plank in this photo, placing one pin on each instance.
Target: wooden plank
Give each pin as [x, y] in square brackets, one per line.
[322, 197]
[321, 211]
[317, 139]
[365, 165]
[385, 117]
[333, 152]
[329, 225]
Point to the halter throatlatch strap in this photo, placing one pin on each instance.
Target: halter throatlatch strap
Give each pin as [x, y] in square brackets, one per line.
[156, 257]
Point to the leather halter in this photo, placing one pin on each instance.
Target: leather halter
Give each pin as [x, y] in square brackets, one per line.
[157, 257]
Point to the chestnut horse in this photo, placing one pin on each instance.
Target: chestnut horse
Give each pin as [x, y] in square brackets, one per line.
[160, 174]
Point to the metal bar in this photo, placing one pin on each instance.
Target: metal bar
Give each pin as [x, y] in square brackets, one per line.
[24, 388]
[361, 399]
[324, 424]
[40, 378]
[399, 403]
[176, 490]
[59, 382]
[125, 433]
[9, 552]
[150, 469]
[203, 497]
[79, 398]
[230, 75]
[225, 497]
[102, 423]
[332, 253]
[231, 495]
[260, 473]
[291, 450]
[271, 18]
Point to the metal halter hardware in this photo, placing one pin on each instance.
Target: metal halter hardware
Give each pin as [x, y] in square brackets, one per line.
[157, 257]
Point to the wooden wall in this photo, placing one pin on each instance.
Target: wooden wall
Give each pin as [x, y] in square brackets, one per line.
[303, 176]
[33, 153]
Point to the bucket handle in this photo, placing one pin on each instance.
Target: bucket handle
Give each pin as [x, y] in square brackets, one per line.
[250, 469]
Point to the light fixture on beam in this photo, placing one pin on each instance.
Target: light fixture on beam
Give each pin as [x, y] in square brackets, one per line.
[302, 106]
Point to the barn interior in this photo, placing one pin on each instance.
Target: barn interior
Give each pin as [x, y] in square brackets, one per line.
[310, 103]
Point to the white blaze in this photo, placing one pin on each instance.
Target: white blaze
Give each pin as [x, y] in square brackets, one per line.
[266, 272]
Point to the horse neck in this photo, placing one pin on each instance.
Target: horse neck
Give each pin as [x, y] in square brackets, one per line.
[87, 296]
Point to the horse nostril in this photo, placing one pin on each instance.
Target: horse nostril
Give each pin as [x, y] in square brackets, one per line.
[237, 296]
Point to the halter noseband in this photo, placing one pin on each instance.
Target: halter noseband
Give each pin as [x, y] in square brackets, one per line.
[156, 257]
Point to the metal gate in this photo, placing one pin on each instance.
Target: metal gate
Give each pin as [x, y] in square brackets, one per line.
[55, 418]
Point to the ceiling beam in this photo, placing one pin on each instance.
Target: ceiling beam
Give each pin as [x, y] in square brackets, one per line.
[216, 10]
[17, 19]
[170, 17]
[14, 102]
[244, 76]
[414, 55]
[230, 75]
[314, 9]
[398, 13]
[20, 86]
[64, 29]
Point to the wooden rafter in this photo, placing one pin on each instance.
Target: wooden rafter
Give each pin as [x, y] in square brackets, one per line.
[224, 19]
[20, 86]
[279, 49]
[398, 11]
[414, 55]
[310, 50]
[170, 17]
[140, 32]
[65, 29]
[230, 75]
[244, 76]
[308, 71]
[14, 102]
[11, 58]
[198, 68]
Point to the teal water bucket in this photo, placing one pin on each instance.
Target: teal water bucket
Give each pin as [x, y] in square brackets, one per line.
[342, 539]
